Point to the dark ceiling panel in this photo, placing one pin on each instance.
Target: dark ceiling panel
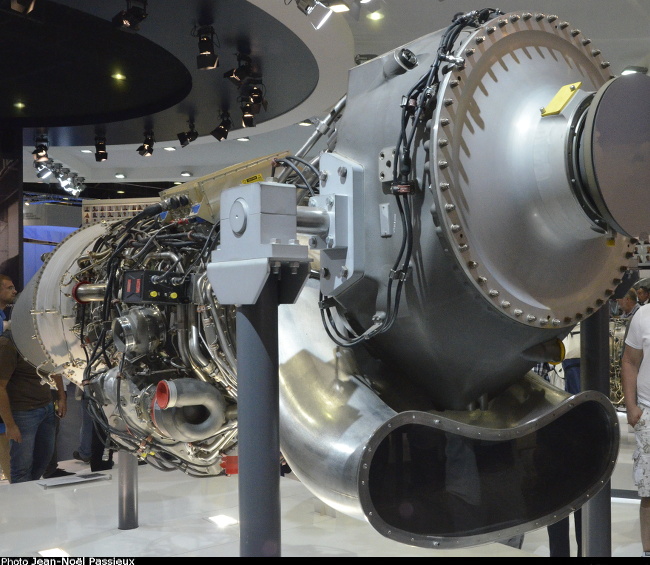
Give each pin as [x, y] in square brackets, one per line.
[60, 57]
[58, 62]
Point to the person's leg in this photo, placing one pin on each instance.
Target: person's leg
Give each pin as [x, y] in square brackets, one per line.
[5, 460]
[644, 518]
[22, 454]
[86, 432]
[577, 518]
[641, 473]
[44, 442]
[558, 538]
[53, 464]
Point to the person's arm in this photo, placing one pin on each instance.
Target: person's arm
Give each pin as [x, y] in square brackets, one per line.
[630, 364]
[62, 396]
[11, 429]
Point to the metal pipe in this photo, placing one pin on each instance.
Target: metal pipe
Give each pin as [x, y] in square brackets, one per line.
[312, 221]
[128, 491]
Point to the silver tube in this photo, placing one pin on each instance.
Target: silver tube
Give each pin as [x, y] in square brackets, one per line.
[313, 221]
[89, 292]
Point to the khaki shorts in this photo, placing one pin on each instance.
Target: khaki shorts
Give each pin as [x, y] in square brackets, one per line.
[641, 456]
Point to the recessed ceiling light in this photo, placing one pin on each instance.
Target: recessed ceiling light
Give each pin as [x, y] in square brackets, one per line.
[120, 176]
[169, 148]
[118, 76]
[19, 105]
[305, 123]
[339, 7]
[120, 192]
[186, 174]
[375, 15]
[243, 139]
[86, 150]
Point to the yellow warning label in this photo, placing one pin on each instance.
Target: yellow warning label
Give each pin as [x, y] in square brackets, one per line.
[254, 178]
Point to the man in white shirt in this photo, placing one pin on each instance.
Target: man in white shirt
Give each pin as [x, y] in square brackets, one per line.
[635, 378]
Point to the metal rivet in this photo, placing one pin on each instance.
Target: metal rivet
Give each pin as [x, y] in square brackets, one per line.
[463, 248]
[604, 64]
[501, 23]
[455, 228]
[480, 39]
[552, 18]
[556, 322]
[491, 30]
[564, 25]
[442, 142]
[445, 186]
[481, 280]
[518, 312]
[493, 293]
[595, 52]
[543, 322]
[514, 18]
[472, 264]
[453, 83]
[527, 16]
[575, 32]
[586, 41]
[444, 122]
[539, 17]
[505, 304]
[531, 318]
[450, 207]
[442, 164]
[470, 52]
[448, 102]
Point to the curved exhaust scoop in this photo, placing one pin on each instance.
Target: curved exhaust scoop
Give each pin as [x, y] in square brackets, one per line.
[461, 479]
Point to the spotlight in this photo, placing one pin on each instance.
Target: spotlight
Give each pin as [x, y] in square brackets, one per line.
[221, 131]
[241, 72]
[257, 99]
[40, 150]
[146, 149]
[23, 6]
[130, 19]
[187, 137]
[100, 149]
[317, 12]
[43, 169]
[247, 116]
[206, 59]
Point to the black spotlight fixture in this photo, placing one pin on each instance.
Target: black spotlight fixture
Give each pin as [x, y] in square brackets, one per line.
[100, 149]
[247, 115]
[187, 137]
[241, 72]
[146, 149]
[257, 98]
[23, 6]
[221, 131]
[40, 149]
[131, 18]
[206, 59]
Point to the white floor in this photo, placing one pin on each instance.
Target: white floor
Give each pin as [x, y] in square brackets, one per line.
[81, 520]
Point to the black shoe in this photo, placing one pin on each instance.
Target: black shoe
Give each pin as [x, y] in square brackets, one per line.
[58, 473]
[78, 457]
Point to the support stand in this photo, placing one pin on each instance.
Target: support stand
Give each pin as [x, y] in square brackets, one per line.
[258, 425]
[128, 491]
[594, 362]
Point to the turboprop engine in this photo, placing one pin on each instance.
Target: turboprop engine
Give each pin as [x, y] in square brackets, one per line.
[460, 170]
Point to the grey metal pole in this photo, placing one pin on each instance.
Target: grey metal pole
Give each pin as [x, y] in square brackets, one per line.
[594, 375]
[258, 417]
[128, 491]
